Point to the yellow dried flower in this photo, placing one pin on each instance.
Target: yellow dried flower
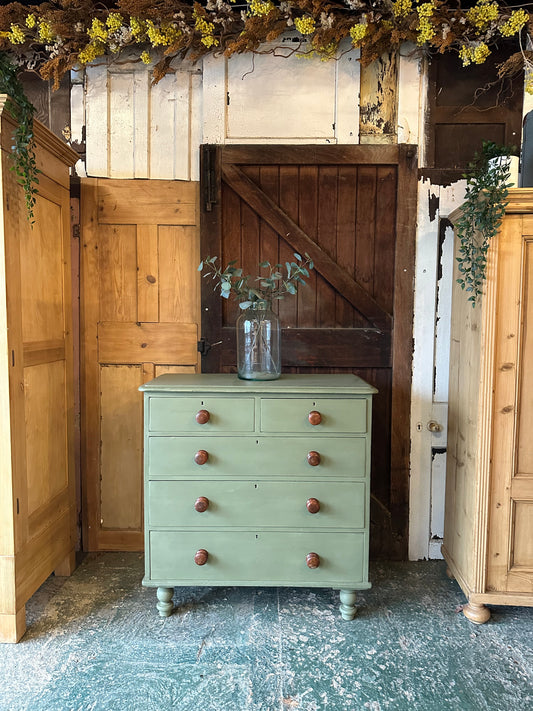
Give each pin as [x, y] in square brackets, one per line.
[482, 14]
[474, 54]
[145, 57]
[481, 52]
[98, 31]
[260, 7]
[305, 25]
[209, 41]
[45, 32]
[114, 21]
[31, 21]
[426, 28]
[426, 31]
[401, 8]
[137, 27]
[16, 36]
[425, 9]
[164, 35]
[515, 23]
[357, 32]
[529, 82]
[90, 52]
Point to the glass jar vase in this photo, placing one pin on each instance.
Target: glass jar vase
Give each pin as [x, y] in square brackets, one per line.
[258, 343]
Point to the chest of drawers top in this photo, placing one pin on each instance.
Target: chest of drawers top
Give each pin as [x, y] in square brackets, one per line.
[233, 405]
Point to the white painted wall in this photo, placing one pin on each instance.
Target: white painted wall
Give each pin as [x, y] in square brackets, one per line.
[134, 130]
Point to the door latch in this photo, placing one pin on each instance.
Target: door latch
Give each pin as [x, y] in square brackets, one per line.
[203, 346]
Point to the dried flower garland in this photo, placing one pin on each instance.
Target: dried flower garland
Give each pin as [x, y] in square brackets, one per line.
[55, 37]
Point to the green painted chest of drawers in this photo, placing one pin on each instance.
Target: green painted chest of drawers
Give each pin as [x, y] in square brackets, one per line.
[257, 483]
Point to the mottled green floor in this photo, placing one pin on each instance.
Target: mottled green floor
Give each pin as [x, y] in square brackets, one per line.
[95, 643]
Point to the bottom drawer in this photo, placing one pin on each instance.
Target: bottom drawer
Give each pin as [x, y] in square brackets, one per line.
[257, 558]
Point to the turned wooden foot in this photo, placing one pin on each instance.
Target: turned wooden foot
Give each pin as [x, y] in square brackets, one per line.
[165, 605]
[450, 574]
[476, 613]
[347, 606]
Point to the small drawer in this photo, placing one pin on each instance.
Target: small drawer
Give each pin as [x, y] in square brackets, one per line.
[181, 414]
[333, 415]
[265, 457]
[258, 558]
[266, 504]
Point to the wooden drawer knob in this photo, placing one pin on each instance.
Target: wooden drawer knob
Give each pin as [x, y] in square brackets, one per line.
[313, 458]
[312, 560]
[201, 456]
[315, 418]
[201, 504]
[313, 505]
[202, 416]
[201, 556]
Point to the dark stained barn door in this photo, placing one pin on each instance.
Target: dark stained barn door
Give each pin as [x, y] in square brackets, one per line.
[353, 209]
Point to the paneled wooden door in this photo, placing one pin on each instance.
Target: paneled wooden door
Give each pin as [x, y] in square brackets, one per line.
[353, 209]
[510, 514]
[139, 318]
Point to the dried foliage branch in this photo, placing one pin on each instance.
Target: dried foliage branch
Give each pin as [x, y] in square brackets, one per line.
[54, 37]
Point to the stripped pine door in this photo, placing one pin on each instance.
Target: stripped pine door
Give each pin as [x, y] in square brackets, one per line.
[352, 208]
[510, 536]
[139, 319]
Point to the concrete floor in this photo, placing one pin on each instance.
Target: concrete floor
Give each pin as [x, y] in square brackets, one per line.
[95, 643]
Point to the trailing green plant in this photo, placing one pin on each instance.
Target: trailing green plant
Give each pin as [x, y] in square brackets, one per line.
[23, 148]
[277, 281]
[487, 187]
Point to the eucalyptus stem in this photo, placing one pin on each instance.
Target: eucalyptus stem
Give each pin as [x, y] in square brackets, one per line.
[23, 148]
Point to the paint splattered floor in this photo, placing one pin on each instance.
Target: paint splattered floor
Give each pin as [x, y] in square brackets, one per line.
[95, 643]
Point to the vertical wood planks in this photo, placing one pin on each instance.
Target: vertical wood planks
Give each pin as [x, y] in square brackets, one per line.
[139, 130]
[140, 307]
[147, 273]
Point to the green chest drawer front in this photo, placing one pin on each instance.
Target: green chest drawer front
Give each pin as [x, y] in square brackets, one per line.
[256, 456]
[225, 414]
[262, 558]
[334, 415]
[261, 503]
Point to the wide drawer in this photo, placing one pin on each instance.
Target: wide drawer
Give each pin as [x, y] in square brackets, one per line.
[260, 503]
[257, 558]
[178, 414]
[285, 457]
[292, 415]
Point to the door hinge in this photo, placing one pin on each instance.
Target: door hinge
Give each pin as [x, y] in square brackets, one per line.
[76, 231]
[209, 177]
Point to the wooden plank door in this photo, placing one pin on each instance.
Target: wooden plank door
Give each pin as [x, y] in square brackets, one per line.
[510, 540]
[353, 209]
[139, 318]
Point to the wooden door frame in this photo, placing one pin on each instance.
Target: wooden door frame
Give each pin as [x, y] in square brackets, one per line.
[216, 161]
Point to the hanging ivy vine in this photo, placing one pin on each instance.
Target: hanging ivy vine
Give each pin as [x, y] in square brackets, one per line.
[487, 187]
[23, 148]
[54, 37]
